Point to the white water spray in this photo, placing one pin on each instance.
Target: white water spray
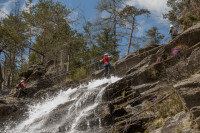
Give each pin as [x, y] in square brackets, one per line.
[66, 111]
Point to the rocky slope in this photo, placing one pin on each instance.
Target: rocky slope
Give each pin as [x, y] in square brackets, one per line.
[159, 91]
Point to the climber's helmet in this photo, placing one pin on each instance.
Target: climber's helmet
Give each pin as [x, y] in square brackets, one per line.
[106, 54]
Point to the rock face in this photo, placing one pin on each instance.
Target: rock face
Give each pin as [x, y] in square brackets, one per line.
[40, 77]
[174, 79]
[190, 15]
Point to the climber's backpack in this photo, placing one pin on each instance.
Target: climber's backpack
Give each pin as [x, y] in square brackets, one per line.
[174, 32]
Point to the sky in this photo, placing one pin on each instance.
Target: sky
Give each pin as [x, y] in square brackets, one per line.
[85, 11]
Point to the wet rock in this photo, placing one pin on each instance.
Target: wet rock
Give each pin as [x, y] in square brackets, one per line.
[119, 112]
[2, 101]
[94, 124]
[82, 125]
[61, 129]
[104, 112]
[6, 110]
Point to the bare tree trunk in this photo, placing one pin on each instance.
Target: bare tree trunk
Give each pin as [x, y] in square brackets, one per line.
[1, 77]
[4, 70]
[30, 10]
[30, 46]
[68, 60]
[115, 25]
[61, 59]
[9, 71]
[13, 65]
[43, 56]
[130, 38]
[8, 80]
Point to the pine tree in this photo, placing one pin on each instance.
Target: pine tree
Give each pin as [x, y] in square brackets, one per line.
[14, 36]
[129, 14]
[111, 9]
[177, 7]
[154, 37]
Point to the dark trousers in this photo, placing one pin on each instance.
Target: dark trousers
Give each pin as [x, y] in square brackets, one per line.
[21, 91]
[107, 69]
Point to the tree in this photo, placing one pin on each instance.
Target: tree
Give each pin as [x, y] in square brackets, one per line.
[154, 37]
[104, 41]
[111, 8]
[177, 7]
[28, 16]
[129, 14]
[15, 40]
[48, 18]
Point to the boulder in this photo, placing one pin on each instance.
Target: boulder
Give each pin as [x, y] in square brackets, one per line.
[190, 92]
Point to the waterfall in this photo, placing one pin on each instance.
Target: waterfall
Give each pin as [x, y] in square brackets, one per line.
[67, 112]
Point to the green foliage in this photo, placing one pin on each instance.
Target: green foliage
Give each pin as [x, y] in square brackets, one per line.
[47, 24]
[130, 12]
[177, 7]
[116, 107]
[169, 107]
[154, 37]
[123, 93]
[79, 73]
[110, 7]
[128, 15]
[50, 18]
[105, 43]
[34, 59]
[178, 130]
[193, 18]
[158, 123]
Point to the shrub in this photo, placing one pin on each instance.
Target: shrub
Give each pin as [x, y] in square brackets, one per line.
[79, 73]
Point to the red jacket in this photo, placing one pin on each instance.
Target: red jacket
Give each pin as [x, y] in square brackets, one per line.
[20, 85]
[106, 60]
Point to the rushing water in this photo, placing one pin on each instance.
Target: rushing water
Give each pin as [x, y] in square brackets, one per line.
[65, 112]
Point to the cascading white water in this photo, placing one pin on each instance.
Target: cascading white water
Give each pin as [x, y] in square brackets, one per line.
[64, 112]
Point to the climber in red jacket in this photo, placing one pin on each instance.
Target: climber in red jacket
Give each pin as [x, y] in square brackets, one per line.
[21, 88]
[106, 63]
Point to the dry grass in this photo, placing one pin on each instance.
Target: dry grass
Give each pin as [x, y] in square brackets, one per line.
[180, 47]
[167, 109]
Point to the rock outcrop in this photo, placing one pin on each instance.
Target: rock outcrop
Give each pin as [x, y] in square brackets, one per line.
[154, 95]
[190, 15]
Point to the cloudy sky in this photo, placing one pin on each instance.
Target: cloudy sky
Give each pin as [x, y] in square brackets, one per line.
[86, 9]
